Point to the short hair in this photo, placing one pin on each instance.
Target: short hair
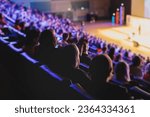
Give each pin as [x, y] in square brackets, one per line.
[65, 36]
[101, 67]
[70, 56]
[32, 37]
[122, 71]
[136, 61]
[147, 68]
[48, 38]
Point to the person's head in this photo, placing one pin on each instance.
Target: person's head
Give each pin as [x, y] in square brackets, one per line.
[104, 49]
[126, 54]
[65, 36]
[70, 58]
[1, 16]
[136, 61]
[48, 39]
[17, 22]
[22, 25]
[111, 53]
[118, 57]
[101, 68]
[122, 71]
[32, 37]
[83, 46]
[147, 68]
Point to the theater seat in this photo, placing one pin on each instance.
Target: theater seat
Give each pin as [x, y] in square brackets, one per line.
[139, 93]
[84, 67]
[78, 88]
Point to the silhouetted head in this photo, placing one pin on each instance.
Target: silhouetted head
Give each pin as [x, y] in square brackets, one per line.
[1, 16]
[118, 57]
[136, 61]
[48, 39]
[32, 37]
[104, 49]
[147, 68]
[122, 71]
[101, 68]
[70, 57]
[83, 46]
[111, 53]
[65, 36]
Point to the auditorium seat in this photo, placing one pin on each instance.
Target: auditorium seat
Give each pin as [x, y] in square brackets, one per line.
[139, 93]
[84, 67]
[32, 81]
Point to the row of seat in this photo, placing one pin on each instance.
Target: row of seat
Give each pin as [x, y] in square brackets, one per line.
[32, 80]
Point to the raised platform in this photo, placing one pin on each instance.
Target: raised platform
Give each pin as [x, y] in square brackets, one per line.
[123, 36]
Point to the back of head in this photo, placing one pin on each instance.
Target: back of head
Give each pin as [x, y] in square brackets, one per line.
[118, 57]
[101, 68]
[65, 36]
[48, 39]
[32, 37]
[136, 61]
[147, 68]
[122, 71]
[111, 53]
[70, 57]
[83, 46]
[1, 16]
[104, 49]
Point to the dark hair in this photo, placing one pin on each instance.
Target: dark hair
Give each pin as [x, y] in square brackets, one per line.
[122, 71]
[118, 58]
[65, 36]
[70, 58]
[32, 37]
[104, 49]
[136, 61]
[100, 68]
[48, 38]
[1, 16]
[82, 45]
[111, 53]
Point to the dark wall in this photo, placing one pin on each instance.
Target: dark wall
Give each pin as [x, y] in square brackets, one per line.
[116, 4]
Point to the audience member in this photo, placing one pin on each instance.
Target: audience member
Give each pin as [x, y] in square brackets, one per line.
[147, 72]
[32, 42]
[68, 64]
[135, 67]
[101, 70]
[83, 46]
[47, 46]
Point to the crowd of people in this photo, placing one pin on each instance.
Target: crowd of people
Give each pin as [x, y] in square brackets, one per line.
[62, 46]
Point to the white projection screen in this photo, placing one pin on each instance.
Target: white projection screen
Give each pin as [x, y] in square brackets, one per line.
[147, 8]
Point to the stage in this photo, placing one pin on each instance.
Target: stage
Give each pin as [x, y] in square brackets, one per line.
[124, 36]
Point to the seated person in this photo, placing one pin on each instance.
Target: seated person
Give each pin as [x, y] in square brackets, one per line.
[147, 72]
[100, 70]
[83, 46]
[135, 67]
[67, 64]
[111, 53]
[2, 21]
[31, 43]
[47, 46]
[122, 75]
[65, 39]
